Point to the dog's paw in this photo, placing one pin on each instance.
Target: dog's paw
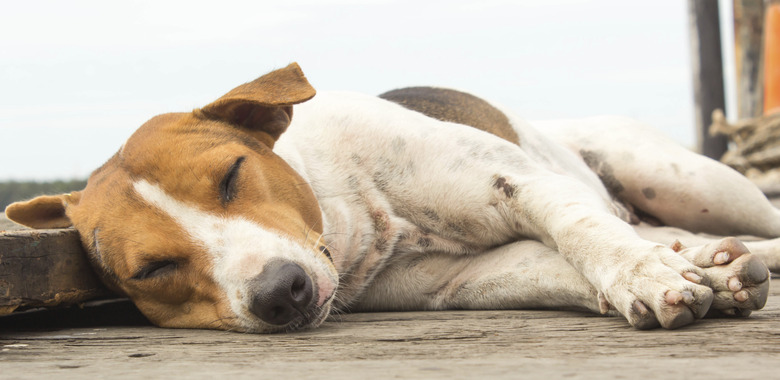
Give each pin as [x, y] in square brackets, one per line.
[739, 280]
[659, 288]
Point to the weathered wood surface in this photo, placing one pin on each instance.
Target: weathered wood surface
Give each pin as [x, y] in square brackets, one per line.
[44, 268]
[431, 345]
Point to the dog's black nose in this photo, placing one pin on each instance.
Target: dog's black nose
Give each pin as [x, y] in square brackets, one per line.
[280, 293]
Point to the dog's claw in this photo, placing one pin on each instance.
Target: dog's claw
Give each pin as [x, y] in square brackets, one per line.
[741, 296]
[692, 277]
[734, 284]
[644, 318]
[673, 297]
[640, 308]
[721, 258]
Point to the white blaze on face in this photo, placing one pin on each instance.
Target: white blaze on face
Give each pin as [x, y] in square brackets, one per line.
[238, 248]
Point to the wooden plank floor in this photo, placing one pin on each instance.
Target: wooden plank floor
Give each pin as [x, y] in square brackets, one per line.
[110, 341]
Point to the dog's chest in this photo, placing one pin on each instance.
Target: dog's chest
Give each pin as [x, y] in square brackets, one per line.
[369, 221]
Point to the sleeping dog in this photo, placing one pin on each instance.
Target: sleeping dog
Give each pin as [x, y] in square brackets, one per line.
[244, 215]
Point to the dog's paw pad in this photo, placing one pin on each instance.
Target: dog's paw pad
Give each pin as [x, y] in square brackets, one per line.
[755, 271]
[682, 318]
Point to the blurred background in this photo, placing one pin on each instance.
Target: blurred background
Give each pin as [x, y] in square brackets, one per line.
[77, 77]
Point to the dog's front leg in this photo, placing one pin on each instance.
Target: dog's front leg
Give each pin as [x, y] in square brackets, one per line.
[646, 282]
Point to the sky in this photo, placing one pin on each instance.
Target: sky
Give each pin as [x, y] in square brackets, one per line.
[78, 77]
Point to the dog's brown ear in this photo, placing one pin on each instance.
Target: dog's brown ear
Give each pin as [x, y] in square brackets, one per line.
[265, 104]
[47, 211]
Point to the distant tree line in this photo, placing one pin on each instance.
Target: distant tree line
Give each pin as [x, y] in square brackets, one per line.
[13, 191]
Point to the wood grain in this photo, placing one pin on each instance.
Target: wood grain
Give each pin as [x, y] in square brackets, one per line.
[433, 345]
[44, 268]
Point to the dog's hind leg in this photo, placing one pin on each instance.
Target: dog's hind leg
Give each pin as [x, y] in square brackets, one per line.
[654, 174]
[768, 250]
[520, 275]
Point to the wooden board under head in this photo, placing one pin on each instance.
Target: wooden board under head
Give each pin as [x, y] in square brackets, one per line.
[45, 268]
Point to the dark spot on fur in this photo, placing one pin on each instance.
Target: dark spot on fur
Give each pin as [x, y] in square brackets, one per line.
[704, 211]
[381, 181]
[649, 192]
[380, 244]
[458, 230]
[502, 184]
[353, 182]
[424, 242]
[431, 214]
[392, 171]
[596, 162]
[356, 159]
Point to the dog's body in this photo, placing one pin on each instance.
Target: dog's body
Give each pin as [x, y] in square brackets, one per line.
[216, 219]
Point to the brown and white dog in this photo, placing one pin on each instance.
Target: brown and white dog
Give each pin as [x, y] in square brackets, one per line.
[233, 217]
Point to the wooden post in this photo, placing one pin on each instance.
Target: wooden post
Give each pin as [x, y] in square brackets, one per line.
[748, 32]
[707, 62]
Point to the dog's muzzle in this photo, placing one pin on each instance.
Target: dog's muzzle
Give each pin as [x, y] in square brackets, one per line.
[281, 294]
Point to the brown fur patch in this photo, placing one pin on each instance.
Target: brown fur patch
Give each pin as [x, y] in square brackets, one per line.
[454, 106]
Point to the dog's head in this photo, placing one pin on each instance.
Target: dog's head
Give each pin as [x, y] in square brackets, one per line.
[200, 223]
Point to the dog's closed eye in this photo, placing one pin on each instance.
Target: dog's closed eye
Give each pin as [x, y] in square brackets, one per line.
[227, 187]
[156, 269]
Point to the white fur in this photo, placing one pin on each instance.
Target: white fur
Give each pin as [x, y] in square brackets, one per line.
[377, 168]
